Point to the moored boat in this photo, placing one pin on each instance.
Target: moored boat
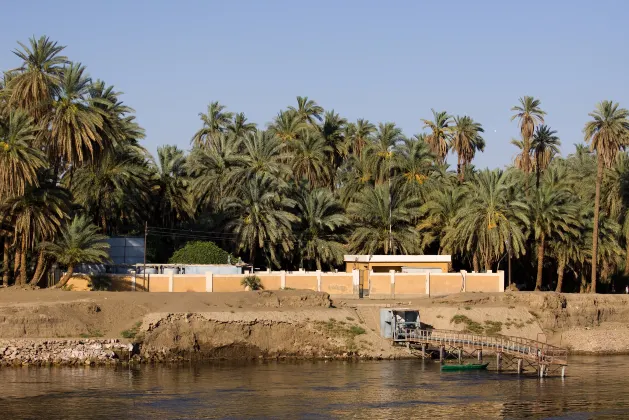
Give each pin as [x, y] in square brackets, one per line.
[467, 366]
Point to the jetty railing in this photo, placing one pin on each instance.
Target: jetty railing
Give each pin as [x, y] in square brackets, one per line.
[535, 351]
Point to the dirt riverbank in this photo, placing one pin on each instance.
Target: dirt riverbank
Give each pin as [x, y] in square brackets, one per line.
[299, 324]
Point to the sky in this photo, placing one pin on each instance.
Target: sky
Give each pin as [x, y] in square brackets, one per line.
[383, 61]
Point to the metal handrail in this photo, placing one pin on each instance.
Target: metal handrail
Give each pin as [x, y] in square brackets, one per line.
[532, 349]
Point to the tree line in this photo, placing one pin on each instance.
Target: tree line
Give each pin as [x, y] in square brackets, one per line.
[306, 188]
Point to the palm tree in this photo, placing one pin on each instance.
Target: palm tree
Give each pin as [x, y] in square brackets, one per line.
[74, 121]
[79, 242]
[333, 132]
[359, 135]
[173, 185]
[437, 213]
[307, 110]
[384, 218]
[287, 126]
[260, 218]
[554, 215]
[264, 155]
[545, 146]
[488, 219]
[439, 134]
[529, 115]
[354, 175]
[240, 127]
[119, 125]
[34, 85]
[518, 160]
[36, 215]
[465, 140]
[606, 133]
[115, 188]
[413, 162]
[381, 150]
[216, 120]
[566, 251]
[310, 160]
[19, 160]
[322, 220]
[211, 170]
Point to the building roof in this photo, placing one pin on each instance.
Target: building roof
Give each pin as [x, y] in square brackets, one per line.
[397, 258]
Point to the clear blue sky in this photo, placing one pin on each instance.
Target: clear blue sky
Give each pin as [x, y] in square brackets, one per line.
[384, 61]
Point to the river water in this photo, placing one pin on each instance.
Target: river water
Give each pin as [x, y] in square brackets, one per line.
[594, 387]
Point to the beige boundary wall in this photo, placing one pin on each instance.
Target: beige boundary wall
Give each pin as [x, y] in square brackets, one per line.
[336, 284]
[381, 285]
[408, 285]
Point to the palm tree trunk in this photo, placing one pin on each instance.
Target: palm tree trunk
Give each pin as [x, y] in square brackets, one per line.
[66, 277]
[605, 270]
[16, 263]
[540, 263]
[560, 270]
[39, 270]
[475, 264]
[627, 259]
[597, 209]
[526, 159]
[23, 279]
[5, 263]
[459, 169]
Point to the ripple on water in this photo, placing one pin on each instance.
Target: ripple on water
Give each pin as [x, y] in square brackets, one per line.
[595, 388]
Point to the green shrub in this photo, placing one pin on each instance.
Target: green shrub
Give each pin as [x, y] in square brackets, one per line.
[253, 282]
[99, 282]
[200, 252]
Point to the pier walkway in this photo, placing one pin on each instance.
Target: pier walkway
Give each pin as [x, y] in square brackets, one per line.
[541, 356]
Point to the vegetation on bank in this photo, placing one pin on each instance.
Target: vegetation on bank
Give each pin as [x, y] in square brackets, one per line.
[303, 190]
[200, 252]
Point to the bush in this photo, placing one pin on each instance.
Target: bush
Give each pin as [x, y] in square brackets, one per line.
[99, 282]
[253, 282]
[200, 252]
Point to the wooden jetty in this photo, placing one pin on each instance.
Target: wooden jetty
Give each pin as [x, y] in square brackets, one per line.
[512, 353]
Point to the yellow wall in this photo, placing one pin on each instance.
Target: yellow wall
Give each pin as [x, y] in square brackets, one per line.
[301, 281]
[189, 283]
[410, 284]
[337, 284]
[158, 282]
[271, 281]
[481, 282]
[227, 283]
[379, 285]
[444, 284]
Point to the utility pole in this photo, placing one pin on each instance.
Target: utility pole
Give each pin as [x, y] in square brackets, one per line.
[509, 251]
[146, 234]
[390, 156]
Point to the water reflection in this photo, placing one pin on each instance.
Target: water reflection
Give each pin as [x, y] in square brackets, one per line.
[595, 388]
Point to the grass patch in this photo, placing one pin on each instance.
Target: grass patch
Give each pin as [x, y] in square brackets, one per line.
[92, 334]
[493, 327]
[439, 316]
[490, 327]
[341, 330]
[349, 318]
[356, 330]
[511, 307]
[131, 332]
[467, 308]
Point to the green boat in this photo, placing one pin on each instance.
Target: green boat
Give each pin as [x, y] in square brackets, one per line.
[468, 366]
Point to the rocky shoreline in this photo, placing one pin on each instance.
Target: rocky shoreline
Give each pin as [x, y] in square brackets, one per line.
[27, 352]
